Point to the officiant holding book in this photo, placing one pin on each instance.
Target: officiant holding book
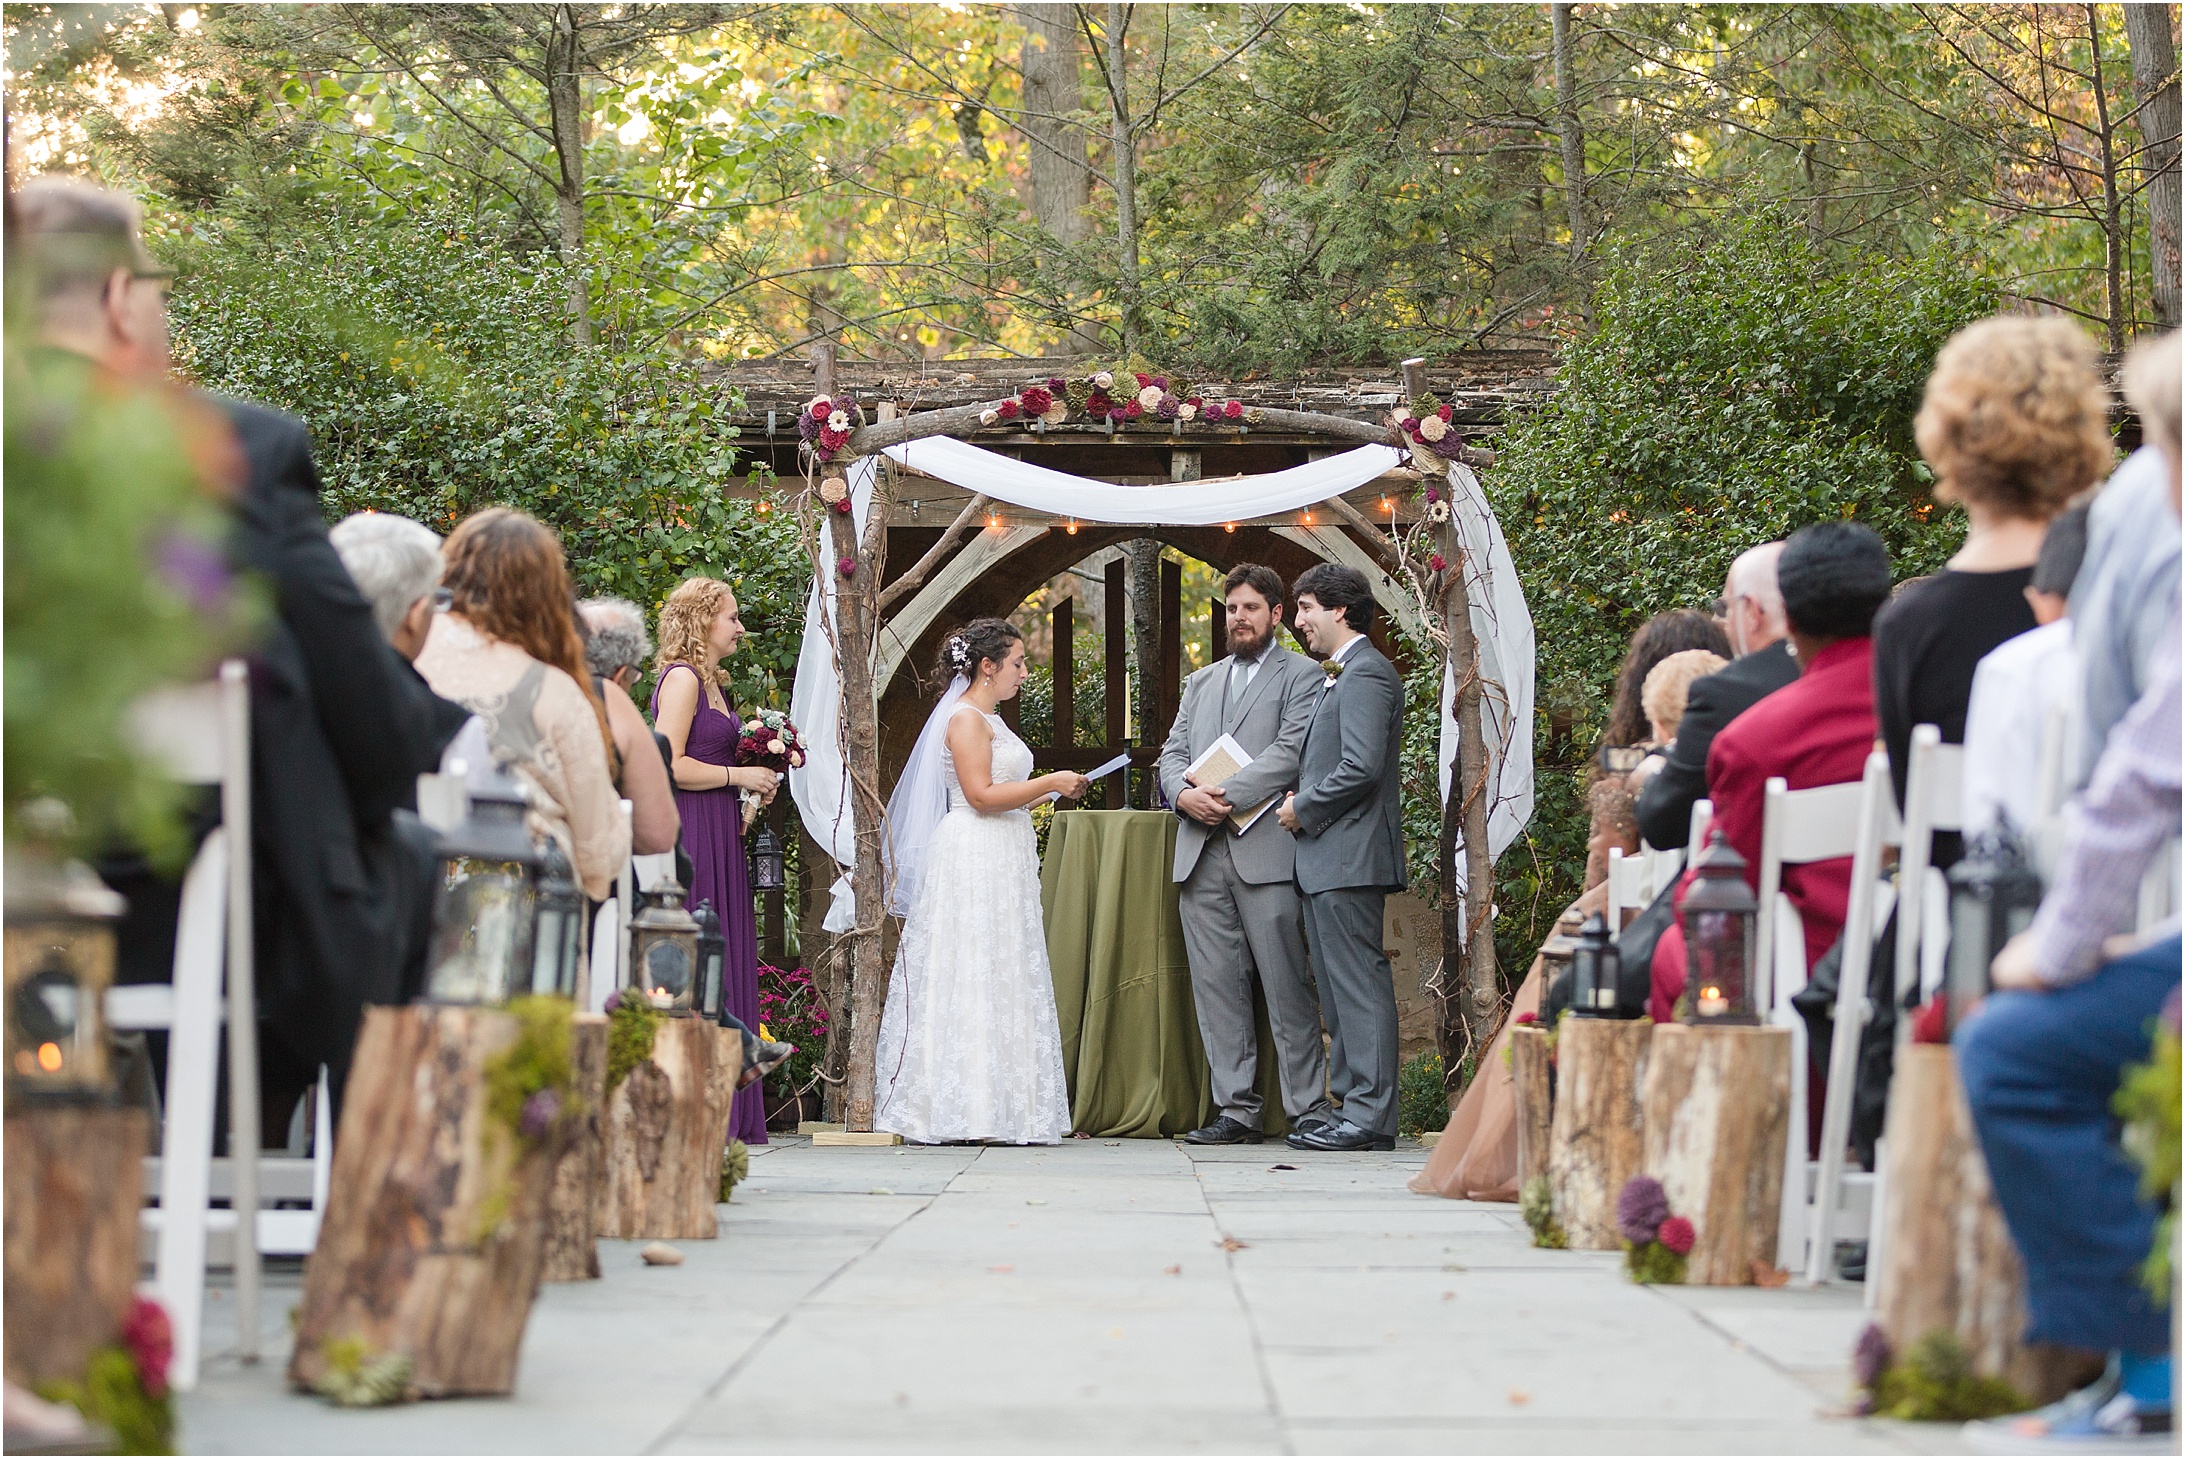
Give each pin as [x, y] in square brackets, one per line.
[1231, 754]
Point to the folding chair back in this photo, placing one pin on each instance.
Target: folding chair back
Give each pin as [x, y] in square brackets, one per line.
[1934, 800]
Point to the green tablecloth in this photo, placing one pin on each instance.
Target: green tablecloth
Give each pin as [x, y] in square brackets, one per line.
[1130, 1032]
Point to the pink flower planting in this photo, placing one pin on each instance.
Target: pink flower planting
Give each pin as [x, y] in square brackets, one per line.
[149, 1337]
[1676, 1234]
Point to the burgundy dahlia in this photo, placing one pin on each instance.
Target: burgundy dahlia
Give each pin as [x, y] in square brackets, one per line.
[1035, 400]
[847, 566]
[1436, 563]
[1133, 410]
[1641, 1207]
[1233, 409]
[1007, 410]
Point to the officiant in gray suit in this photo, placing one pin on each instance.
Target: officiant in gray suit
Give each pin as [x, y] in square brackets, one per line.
[1237, 893]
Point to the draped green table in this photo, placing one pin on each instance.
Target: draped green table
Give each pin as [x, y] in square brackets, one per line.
[1130, 1031]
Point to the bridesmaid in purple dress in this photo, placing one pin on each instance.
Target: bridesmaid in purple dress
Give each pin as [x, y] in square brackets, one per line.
[700, 626]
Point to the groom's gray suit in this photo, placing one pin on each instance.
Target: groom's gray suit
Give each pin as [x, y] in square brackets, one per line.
[1350, 855]
[1238, 896]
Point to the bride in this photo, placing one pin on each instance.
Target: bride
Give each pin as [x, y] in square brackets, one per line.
[969, 1045]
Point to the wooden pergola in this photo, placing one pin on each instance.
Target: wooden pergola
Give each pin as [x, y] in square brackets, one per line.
[911, 583]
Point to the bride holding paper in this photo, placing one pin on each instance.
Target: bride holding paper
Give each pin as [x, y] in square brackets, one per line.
[1231, 753]
[970, 1047]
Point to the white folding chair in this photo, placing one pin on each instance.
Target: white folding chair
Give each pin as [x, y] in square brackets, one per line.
[1934, 800]
[1851, 1195]
[1703, 821]
[201, 736]
[1800, 826]
[1623, 887]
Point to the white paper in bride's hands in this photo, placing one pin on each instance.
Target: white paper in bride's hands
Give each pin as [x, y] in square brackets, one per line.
[1118, 763]
[1224, 758]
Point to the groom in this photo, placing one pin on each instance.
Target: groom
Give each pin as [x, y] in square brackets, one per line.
[1238, 897]
[1350, 852]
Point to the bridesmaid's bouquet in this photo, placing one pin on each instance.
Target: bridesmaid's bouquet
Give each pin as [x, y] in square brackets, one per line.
[770, 742]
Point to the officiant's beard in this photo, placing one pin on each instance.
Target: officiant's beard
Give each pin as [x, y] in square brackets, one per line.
[1247, 645]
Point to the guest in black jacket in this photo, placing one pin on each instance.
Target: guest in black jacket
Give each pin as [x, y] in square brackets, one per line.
[1752, 614]
[340, 727]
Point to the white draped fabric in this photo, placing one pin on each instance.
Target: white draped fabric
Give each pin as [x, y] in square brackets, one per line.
[1500, 618]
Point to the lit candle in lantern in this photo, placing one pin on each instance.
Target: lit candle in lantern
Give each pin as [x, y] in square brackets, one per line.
[1712, 1004]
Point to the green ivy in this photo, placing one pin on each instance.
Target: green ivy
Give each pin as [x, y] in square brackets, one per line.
[735, 1168]
[631, 1024]
[1537, 1204]
[112, 1394]
[2149, 1101]
[1653, 1264]
[1936, 1383]
[1422, 1103]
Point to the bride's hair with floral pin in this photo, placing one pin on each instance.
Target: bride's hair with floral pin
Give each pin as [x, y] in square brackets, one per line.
[980, 640]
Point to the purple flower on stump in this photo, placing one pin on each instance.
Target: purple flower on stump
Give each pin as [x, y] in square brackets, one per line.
[194, 569]
[539, 1113]
[1641, 1208]
[1871, 1356]
[614, 1000]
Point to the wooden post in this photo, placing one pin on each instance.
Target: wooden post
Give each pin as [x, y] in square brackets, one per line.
[1947, 1262]
[855, 626]
[667, 1126]
[1116, 671]
[435, 1228]
[1596, 1140]
[1167, 697]
[1217, 619]
[75, 1183]
[572, 1208]
[1534, 1100]
[773, 934]
[1064, 633]
[1717, 1103]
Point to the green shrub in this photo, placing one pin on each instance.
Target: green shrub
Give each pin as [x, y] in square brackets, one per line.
[1537, 1204]
[112, 1393]
[1936, 1383]
[2149, 1101]
[1421, 1101]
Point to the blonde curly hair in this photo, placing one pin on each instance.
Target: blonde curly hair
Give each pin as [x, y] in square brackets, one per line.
[686, 622]
[2015, 418]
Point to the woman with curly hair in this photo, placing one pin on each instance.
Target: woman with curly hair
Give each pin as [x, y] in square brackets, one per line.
[700, 624]
[2015, 425]
[507, 649]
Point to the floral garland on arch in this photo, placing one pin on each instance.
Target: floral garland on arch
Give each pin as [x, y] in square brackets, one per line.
[825, 423]
[1117, 397]
[1427, 422]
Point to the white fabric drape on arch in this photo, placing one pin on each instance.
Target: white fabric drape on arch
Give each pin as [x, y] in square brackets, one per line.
[1500, 618]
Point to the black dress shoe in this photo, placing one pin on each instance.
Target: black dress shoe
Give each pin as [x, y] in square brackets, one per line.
[1340, 1137]
[1224, 1131]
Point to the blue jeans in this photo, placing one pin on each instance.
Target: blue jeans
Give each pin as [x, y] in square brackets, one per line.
[2040, 1070]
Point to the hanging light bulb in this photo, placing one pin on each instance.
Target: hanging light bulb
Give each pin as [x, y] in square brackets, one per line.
[1308, 519]
[1070, 526]
[1388, 506]
[1229, 526]
[764, 508]
[993, 521]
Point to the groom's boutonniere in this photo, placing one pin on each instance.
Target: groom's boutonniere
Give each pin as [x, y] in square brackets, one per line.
[1333, 669]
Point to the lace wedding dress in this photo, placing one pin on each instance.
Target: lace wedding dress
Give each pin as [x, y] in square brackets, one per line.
[970, 1048]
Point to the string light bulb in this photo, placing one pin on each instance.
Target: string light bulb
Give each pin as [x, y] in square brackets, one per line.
[1070, 526]
[1388, 506]
[1229, 526]
[993, 521]
[1308, 519]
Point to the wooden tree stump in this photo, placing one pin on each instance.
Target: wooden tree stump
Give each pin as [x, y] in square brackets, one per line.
[1534, 1103]
[572, 1209]
[1947, 1261]
[667, 1125]
[435, 1224]
[1717, 1104]
[75, 1182]
[1596, 1139]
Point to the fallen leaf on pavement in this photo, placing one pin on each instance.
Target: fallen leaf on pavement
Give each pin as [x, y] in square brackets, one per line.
[1520, 1397]
[1282, 1167]
[1173, 1271]
[1765, 1275]
[1230, 1243]
[1003, 1268]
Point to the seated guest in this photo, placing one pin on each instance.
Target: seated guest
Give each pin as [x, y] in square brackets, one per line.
[1751, 610]
[2017, 687]
[615, 649]
[2015, 424]
[1668, 689]
[2122, 599]
[339, 729]
[395, 563]
[1815, 731]
[2044, 1054]
[1608, 792]
[507, 648]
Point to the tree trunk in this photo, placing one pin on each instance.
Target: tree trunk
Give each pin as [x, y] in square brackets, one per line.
[1570, 132]
[2113, 239]
[1596, 1140]
[1057, 160]
[667, 1126]
[1533, 1100]
[1480, 1001]
[855, 631]
[2155, 77]
[565, 103]
[1947, 1261]
[75, 1182]
[572, 1210]
[1717, 1103]
[435, 1227]
[1144, 556]
[1125, 163]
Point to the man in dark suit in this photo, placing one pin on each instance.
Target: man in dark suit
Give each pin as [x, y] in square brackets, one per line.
[1752, 614]
[1350, 853]
[340, 726]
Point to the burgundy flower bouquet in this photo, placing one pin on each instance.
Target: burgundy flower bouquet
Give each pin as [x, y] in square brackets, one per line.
[770, 742]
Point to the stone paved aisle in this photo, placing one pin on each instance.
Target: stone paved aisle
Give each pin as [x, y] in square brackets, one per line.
[1110, 1297]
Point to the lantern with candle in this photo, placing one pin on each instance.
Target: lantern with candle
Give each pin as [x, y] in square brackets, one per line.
[1718, 917]
[59, 962]
[1594, 971]
[1994, 893]
[664, 950]
[485, 910]
[558, 943]
[712, 960]
[768, 874]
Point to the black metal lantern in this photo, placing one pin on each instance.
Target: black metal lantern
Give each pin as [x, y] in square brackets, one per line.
[485, 912]
[1719, 918]
[59, 964]
[712, 961]
[1594, 970]
[664, 950]
[767, 871]
[557, 946]
[1994, 892]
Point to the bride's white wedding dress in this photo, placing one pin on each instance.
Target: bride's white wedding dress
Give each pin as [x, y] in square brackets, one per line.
[970, 1048]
